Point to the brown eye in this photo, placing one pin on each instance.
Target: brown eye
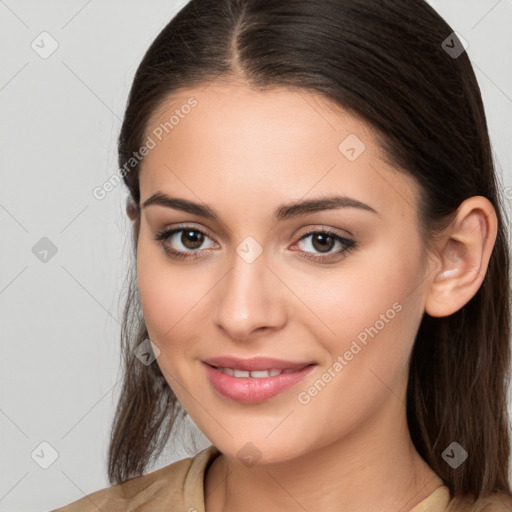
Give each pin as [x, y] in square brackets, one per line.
[192, 239]
[322, 242]
[184, 242]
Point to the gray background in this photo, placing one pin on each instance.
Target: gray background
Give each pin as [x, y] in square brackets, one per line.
[60, 319]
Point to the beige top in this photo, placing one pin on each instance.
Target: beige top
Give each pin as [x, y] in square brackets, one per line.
[179, 487]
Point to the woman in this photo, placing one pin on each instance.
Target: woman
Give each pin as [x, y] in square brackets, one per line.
[321, 266]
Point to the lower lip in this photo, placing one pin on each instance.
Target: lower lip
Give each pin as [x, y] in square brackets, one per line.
[252, 390]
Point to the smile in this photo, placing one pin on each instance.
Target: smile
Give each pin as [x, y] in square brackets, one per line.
[256, 374]
[254, 386]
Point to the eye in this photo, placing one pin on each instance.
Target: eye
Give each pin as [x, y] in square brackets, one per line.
[186, 242]
[324, 241]
[182, 242]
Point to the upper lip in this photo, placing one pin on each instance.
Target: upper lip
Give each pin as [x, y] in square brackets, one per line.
[255, 363]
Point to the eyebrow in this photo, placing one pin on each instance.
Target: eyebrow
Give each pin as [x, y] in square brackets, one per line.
[283, 212]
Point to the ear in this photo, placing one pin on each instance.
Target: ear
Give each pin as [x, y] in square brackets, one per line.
[462, 255]
[132, 209]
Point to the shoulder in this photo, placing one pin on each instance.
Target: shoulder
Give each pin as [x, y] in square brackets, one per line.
[496, 502]
[176, 485]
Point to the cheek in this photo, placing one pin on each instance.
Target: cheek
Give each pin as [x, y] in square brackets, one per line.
[171, 298]
[368, 309]
[364, 286]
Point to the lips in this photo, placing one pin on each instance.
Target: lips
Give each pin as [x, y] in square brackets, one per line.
[254, 380]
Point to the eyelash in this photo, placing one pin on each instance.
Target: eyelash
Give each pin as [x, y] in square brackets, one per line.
[162, 236]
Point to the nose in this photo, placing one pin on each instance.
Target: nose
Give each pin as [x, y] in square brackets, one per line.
[250, 300]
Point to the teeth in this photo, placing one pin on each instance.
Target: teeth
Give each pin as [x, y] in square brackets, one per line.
[241, 373]
[258, 374]
[262, 373]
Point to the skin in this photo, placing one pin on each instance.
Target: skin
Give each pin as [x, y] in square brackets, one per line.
[244, 153]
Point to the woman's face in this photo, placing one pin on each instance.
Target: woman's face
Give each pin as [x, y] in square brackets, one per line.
[260, 278]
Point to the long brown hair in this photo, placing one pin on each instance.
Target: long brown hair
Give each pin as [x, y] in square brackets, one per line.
[389, 63]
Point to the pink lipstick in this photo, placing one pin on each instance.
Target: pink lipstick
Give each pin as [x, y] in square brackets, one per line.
[256, 379]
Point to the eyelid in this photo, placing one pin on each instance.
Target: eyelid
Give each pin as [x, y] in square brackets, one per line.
[322, 227]
[188, 225]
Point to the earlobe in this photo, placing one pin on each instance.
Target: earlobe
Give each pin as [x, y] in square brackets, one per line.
[463, 255]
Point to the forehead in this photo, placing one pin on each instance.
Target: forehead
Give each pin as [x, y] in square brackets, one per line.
[244, 110]
[268, 145]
